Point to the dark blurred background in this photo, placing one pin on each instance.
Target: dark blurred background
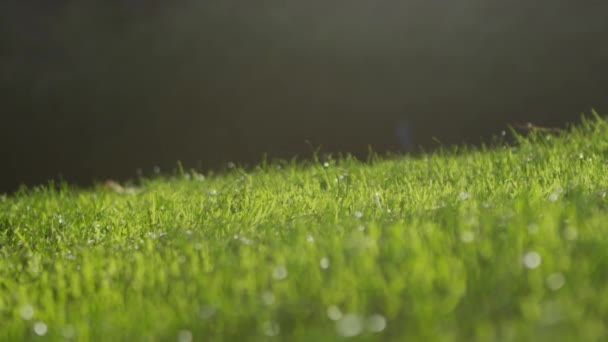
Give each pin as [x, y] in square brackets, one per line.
[93, 90]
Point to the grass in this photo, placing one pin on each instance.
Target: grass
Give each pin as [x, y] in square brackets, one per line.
[470, 244]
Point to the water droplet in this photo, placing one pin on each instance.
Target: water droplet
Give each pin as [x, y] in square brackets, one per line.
[464, 196]
[467, 237]
[213, 192]
[268, 298]
[554, 197]
[570, 234]
[326, 165]
[361, 228]
[279, 273]
[580, 156]
[310, 239]
[68, 332]
[358, 214]
[334, 313]
[271, 328]
[376, 323]
[324, 263]
[556, 281]
[198, 246]
[40, 328]
[533, 228]
[551, 312]
[27, 312]
[207, 311]
[532, 260]
[350, 325]
[184, 336]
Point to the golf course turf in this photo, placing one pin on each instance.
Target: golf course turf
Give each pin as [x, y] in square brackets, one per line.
[508, 243]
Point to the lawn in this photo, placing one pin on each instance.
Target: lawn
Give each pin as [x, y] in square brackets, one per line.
[508, 243]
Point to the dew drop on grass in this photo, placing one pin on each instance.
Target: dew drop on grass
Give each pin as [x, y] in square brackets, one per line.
[556, 281]
[326, 165]
[207, 312]
[268, 298]
[27, 312]
[532, 260]
[533, 228]
[279, 273]
[551, 313]
[334, 313]
[324, 263]
[467, 237]
[464, 196]
[40, 328]
[570, 234]
[554, 197]
[358, 214]
[310, 239]
[271, 328]
[68, 332]
[350, 325]
[376, 323]
[184, 336]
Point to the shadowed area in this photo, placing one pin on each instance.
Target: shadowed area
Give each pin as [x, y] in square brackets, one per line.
[95, 90]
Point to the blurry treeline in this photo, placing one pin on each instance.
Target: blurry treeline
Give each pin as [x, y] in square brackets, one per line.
[96, 89]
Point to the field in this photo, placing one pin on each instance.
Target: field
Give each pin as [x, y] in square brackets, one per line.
[508, 243]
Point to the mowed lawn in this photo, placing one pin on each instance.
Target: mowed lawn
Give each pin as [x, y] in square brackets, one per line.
[508, 243]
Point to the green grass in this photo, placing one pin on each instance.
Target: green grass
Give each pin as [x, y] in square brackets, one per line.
[502, 244]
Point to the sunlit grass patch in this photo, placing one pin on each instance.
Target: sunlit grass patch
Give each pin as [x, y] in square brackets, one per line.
[505, 244]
